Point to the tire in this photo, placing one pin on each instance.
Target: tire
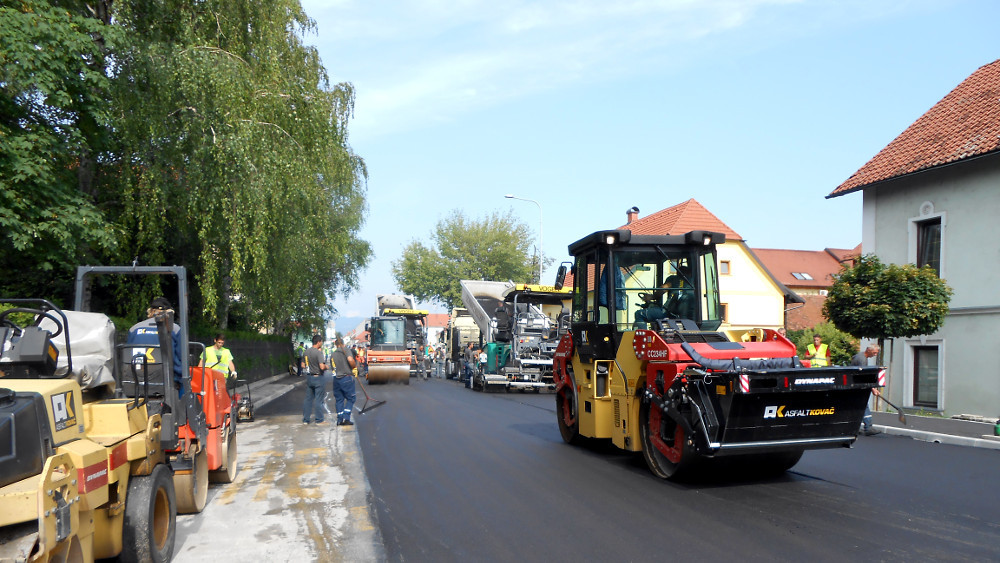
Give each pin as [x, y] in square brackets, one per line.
[566, 408]
[668, 457]
[192, 487]
[150, 523]
[227, 474]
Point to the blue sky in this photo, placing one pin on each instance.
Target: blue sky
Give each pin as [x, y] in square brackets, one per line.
[758, 109]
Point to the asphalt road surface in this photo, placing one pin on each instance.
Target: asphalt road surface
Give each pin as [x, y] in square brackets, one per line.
[458, 475]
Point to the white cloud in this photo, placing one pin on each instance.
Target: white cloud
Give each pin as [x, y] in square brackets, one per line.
[426, 61]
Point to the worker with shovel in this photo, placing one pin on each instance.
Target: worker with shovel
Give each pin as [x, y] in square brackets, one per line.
[861, 359]
[343, 382]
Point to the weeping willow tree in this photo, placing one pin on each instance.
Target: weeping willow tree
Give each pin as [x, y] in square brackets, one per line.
[232, 158]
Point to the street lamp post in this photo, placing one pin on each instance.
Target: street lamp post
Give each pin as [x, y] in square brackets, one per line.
[541, 256]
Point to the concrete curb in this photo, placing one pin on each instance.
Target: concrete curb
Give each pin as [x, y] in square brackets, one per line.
[263, 391]
[925, 436]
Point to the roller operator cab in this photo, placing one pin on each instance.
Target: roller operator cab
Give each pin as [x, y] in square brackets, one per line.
[645, 365]
[396, 341]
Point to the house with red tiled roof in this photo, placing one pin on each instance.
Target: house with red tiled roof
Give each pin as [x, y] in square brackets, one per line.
[436, 324]
[751, 296]
[931, 197]
[809, 274]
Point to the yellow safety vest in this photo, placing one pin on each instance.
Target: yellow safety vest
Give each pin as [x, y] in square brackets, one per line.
[217, 361]
[817, 358]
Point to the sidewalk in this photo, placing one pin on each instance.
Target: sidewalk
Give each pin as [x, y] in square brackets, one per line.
[951, 431]
[266, 390]
[301, 494]
[358, 538]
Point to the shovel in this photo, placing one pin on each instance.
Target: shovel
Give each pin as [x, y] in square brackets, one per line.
[902, 417]
[374, 403]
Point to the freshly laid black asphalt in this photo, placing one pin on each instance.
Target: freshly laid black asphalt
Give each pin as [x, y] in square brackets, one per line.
[460, 475]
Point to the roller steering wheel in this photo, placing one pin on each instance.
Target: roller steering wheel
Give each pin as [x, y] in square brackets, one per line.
[6, 321]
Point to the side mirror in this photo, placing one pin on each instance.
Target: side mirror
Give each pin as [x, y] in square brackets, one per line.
[561, 276]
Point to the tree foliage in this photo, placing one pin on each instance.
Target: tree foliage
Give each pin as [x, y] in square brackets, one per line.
[872, 300]
[212, 138]
[53, 124]
[230, 126]
[842, 345]
[496, 248]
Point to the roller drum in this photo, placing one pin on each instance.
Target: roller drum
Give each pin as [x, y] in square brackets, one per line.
[397, 373]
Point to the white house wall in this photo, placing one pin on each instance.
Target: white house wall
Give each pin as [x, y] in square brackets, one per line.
[966, 197]
[752, 298]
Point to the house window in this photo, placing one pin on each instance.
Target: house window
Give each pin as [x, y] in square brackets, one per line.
[801, 276]
[925, 376]
[724, 267]
[929, 244]
[724, 312]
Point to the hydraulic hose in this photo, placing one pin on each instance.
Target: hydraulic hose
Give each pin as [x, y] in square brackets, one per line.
[740, 364]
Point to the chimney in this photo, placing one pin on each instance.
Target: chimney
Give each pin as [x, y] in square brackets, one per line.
[632, 214]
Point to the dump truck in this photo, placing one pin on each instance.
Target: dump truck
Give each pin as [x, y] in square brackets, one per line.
[645, 366]
[484, 299]
[462, 330]
[529, 321]
[396, 340]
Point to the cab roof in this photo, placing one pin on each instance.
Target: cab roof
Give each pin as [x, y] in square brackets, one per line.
[624, 237]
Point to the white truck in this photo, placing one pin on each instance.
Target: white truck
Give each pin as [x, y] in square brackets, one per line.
[482, 299]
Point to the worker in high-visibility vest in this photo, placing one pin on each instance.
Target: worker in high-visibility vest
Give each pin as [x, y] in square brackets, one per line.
[818, 353]
[218, 357]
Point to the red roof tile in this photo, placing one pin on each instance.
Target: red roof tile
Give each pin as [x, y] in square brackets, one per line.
[437, 319]
[964, 124]
[820, 265]
[679, 219]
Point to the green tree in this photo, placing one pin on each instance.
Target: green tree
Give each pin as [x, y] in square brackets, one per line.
[496, 247]
[232, 159]
[842, 345]
[872, 300]
[53, 126]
